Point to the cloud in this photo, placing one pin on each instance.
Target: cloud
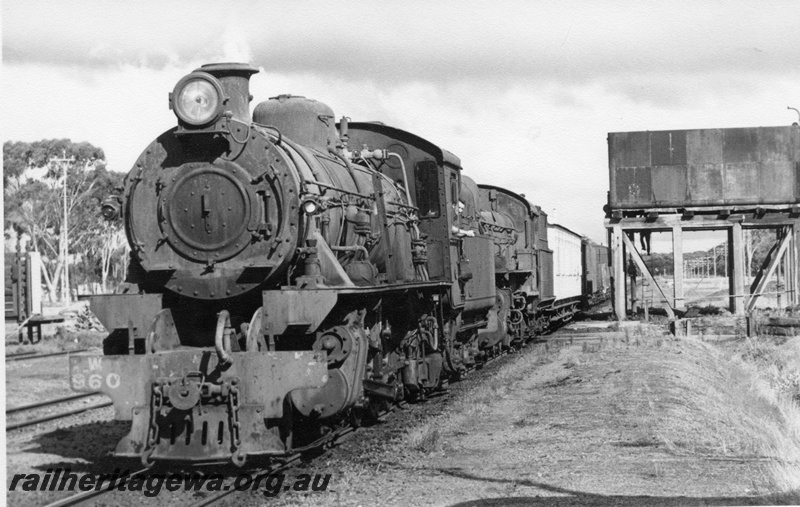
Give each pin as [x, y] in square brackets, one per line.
[498, 42]
[522, 92]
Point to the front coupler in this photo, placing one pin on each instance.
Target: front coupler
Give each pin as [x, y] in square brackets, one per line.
[187, 404]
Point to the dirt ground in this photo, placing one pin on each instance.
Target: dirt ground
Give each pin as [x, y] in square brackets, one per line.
[568, 433]
[37, 380]
[600, 421]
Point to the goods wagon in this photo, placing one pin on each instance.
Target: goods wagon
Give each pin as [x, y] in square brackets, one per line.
[545, 254]
[596, 279]
[567, 262]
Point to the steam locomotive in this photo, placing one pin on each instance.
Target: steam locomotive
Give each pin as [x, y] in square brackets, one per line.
[289, 273]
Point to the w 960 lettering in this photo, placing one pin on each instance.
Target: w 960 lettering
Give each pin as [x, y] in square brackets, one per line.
[94, 381]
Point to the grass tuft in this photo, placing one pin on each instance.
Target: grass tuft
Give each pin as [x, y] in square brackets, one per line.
[427, 438]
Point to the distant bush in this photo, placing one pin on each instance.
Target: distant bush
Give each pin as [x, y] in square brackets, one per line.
[709, 310]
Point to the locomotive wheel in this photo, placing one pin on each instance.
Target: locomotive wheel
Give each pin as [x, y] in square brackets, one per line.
[449, 331]
[374, 408]
[356, 417]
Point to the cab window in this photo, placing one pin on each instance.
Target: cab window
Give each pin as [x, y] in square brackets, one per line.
[426, 183]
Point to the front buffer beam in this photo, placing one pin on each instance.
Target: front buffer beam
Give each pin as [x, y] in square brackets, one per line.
[185, 405]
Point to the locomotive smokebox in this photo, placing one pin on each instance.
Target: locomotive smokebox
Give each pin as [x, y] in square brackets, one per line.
[235, 81]
[304, 121]
[209, 204]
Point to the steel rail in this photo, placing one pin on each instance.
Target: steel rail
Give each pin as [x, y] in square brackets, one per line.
[227, 490]
[52, 417]
[55, 401]
[38, 356]
[278, 467]
[9, 356]
[83, 495]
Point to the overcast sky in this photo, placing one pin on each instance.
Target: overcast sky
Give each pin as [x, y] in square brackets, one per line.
[523, 92]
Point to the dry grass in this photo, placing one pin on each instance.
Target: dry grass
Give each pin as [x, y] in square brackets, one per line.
[709, 407]
[778, 363]
[726, 404]
[430, 436]
[61, 341]
[690, 397]
[775, 373]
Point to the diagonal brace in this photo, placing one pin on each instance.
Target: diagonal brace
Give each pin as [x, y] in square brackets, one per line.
[637, 258]
[773, 264]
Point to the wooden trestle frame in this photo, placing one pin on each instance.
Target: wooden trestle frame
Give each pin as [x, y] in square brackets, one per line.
[785, 252]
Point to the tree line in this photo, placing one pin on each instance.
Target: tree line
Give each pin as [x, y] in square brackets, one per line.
[757, 245]
[33, 191]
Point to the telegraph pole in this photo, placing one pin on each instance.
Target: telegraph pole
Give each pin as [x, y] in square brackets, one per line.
[714, 265]
[65, 163]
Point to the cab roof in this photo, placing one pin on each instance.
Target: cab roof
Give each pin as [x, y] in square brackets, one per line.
[441, 155]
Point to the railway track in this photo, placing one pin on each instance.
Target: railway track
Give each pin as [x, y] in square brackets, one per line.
[339, 436]
[51, 417]
[556, 337]
[276, 469]
[24, 356]
[85, 495]
[578, 337]
[229, 487]
[9, 356]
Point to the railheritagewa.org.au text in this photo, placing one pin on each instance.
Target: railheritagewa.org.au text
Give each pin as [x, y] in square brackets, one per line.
[153, 483]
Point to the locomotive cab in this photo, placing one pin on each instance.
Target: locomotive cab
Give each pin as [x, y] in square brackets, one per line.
[461, 260]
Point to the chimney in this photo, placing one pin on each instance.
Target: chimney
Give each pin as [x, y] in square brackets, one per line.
[235, 81]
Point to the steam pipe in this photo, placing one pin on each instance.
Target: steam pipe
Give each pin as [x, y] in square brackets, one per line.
[351, 248]
[222, 338]
[347, 165]
[405, 175]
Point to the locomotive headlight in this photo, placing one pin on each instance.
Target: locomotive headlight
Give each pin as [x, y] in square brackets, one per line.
[310, 206]
[110, 209]
[197, 99]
